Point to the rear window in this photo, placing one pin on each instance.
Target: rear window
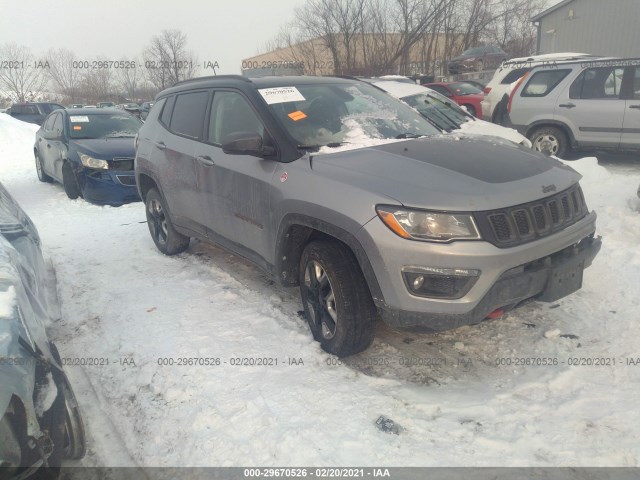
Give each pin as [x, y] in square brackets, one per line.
[514, 75]
[541, 83]
[188, 113]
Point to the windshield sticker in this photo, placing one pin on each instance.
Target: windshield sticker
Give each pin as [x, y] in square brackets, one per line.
[281, 95]
[77, 127]
[297, 115]
[78, 119]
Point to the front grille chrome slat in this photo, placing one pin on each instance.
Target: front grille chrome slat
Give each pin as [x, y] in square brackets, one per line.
[530, 221]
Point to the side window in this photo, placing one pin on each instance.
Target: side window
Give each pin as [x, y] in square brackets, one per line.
[543, 82]
[440, 89]
[165, 118]
[188, 113]
[48, 125]
[604, 82]
[514, 75]
[57, 123]
[231, 113]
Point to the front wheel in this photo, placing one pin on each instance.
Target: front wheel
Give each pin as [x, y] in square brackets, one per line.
[550, 141]
[70, 182]
[337, 302]
[166, 238]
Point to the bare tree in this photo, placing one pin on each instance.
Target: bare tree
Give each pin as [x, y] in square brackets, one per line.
[130, 79]
[64, 73]
[24, 78]
[98, 84]
[167, 59]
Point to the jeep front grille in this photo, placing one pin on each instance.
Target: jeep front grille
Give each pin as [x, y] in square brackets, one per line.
[527, 222]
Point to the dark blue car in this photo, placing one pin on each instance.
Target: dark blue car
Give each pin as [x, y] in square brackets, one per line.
[91, 152]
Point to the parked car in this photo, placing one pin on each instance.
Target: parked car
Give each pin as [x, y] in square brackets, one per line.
[581, 104]
[446, 114]
[464, 94]
[89, 106]
[76, 105]
[477, 59]
[496, 92]
[40, 423]
[144, 109]
[106, 105]
[132, 108]
[33, 112]
[90, 152]
[333, 185]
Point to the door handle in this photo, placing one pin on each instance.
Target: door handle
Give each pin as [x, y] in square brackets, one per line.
[635, 106]
[205, 160]
[567, 105]
[161, 145]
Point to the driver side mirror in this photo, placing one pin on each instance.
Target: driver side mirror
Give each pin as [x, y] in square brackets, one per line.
[246, 143]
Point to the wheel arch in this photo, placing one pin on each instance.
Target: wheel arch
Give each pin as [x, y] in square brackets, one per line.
[551, 123]
[297, 230]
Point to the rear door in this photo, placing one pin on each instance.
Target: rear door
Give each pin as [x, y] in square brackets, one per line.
[631, 123]
[593, 106]
[57, 147]
[235, 189]
[174, 150]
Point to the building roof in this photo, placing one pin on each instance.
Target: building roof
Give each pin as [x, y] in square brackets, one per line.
[551, 10]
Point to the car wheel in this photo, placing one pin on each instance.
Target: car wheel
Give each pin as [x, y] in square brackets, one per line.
[550, 141]
[471, 109]
[337, 302]
[70, 182]
[43, 177]
[166, 238]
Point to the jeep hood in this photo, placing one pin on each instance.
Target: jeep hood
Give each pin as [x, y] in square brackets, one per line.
[449, 172]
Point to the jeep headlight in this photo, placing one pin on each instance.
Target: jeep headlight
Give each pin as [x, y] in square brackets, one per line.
[91, 162]
[428, 226]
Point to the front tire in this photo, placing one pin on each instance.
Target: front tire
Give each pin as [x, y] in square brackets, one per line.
[550, 141]
[337, 302]
[43, 177]
[70, 182]
[164, 235]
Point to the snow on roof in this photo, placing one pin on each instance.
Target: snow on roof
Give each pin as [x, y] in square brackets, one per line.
[401, 89]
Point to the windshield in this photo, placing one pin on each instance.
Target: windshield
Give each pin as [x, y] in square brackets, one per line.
[320, 115]
[103, 126]
[441, 112]
[462, 88]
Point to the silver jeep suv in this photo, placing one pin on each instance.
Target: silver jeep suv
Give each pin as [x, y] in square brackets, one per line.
[332, 185]
[582, 104]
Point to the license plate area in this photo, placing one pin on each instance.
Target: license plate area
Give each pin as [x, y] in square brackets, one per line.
[563, 280]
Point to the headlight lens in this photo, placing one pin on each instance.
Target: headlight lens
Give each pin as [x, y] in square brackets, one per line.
[429, 226]
[91, 162]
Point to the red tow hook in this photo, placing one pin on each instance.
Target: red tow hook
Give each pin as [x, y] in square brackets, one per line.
[497, 313]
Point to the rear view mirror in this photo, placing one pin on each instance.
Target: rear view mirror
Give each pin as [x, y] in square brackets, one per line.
[246, 143]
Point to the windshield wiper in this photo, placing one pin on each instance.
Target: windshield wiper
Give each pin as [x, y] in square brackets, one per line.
[318, 147]
[411, 135]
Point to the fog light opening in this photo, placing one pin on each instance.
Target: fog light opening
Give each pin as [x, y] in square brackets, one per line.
[449, 283]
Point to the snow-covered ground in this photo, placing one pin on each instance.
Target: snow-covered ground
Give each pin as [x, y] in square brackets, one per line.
[124, 302]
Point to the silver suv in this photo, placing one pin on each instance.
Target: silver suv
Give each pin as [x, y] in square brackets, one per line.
[583, 104]
[332, 185]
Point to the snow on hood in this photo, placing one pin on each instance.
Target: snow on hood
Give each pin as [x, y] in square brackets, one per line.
[480, 127]
[356, 138]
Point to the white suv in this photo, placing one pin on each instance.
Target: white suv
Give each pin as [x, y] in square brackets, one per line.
[496, 93]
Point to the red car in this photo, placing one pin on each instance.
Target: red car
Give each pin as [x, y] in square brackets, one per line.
[464, 94]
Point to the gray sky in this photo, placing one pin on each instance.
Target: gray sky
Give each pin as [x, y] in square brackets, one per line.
[224, 31]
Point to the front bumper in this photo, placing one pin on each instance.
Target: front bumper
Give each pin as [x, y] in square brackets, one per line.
[108, 187]
[508, 275]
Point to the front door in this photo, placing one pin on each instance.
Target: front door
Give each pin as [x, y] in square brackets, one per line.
[631, 125]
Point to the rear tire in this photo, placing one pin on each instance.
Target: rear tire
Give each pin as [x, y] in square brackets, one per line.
[337, 302]
[70, 182]
[550, 141]
[164, 235]
[43, 177]
[471, 109]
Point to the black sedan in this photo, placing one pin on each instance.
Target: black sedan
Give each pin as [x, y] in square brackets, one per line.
[40, 423]
[91, 152]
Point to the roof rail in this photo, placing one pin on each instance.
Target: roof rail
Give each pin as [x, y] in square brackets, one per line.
[211, 77]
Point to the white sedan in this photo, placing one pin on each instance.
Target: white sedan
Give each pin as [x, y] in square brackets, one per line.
[445, 114]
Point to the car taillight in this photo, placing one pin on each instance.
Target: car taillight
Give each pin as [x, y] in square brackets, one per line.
[515, 89]
[486, 90]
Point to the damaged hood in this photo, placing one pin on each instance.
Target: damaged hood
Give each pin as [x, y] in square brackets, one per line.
[449, 172]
